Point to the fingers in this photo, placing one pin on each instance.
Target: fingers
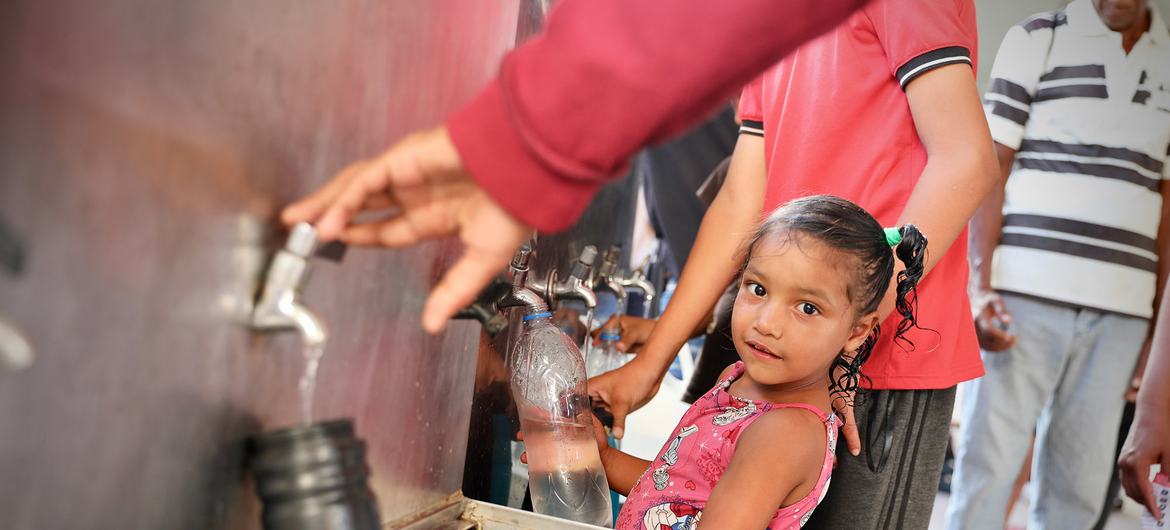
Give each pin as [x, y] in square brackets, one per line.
[399, 231]
[1135, 478]
[1135, 385]
[1000, 310]
[849, 431]
[614, 320]
[619, 410]
[459, 286]
[524, 457]
[310, 208]
[370, 180]
[992, 338]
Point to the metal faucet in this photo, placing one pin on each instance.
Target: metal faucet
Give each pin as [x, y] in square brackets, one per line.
[520, 295]
[638, 281]
[607, 277]
[485, 307]
[280, 306]
[575, 287]
[16, 352]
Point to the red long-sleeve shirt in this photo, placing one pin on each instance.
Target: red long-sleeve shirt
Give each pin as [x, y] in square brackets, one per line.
[607, 77]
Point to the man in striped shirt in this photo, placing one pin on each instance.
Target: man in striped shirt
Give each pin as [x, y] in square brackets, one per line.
[1080, 101]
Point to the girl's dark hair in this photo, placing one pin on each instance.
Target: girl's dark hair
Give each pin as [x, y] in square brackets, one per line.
[848, 228]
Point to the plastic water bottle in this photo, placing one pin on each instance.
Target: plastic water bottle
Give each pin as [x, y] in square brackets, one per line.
[548, 383]
[604, 356]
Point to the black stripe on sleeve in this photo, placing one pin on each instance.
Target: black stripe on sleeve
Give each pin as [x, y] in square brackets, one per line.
[1009, 89]
[1097, 151]
[1047, 21]
[929, 61]
[1083, 71]
[1004, 110]
[1081, 228]
[752, 127]
[1092, 170]
[1071, 91]
[1141, 96]
[1083, 250]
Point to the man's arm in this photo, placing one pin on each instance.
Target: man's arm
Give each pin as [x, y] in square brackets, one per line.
[713, 262]
[605, 78]
[984, 234]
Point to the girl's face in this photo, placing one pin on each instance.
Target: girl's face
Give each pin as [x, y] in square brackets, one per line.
[793, 314]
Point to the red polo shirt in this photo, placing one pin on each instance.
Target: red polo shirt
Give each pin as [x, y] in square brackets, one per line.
[835, 120]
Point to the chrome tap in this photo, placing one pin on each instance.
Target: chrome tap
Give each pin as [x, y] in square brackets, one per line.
[16, 352]
[280, 306]
[638, 282]
[574, 287]
[607, 277]
[520, 294]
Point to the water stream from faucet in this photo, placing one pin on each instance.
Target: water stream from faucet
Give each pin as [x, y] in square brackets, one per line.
[308, 383]
[587, 347]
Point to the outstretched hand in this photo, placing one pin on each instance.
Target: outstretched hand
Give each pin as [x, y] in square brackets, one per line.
[423, 192]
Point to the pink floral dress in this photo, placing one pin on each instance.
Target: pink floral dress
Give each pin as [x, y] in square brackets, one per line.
[672, 493]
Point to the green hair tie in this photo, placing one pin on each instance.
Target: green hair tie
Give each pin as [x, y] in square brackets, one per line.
[893, 236]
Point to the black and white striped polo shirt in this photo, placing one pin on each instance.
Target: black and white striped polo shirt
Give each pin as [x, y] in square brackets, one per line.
[1091, 126]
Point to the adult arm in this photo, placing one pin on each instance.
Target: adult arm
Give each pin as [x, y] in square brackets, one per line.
[991, 316]
[713, 262]
[1149, 438]
[605, 78]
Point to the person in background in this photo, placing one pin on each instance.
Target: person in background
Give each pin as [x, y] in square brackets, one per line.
[1079, 107]
[884, 112]
[1149, 438]
[563, 116]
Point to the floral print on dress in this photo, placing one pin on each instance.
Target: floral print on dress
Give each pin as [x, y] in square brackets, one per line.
[673, 491]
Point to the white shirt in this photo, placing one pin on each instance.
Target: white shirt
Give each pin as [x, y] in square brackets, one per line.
[1091, 126]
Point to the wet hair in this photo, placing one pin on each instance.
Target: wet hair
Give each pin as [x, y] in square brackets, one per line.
[849, 229]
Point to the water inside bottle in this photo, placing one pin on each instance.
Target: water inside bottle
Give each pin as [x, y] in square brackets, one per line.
[566, 477]
[308, 382]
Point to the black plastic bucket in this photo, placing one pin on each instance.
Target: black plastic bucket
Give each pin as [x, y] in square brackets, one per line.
[313, 477]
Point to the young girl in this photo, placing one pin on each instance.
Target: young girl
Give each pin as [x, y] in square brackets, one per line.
[757, 450]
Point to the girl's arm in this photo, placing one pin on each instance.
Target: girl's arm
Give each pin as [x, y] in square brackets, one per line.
[713, 262]
[622, 470]
[777, 462]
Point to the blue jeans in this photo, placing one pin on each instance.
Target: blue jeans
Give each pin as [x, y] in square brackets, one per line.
[1065, 379]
